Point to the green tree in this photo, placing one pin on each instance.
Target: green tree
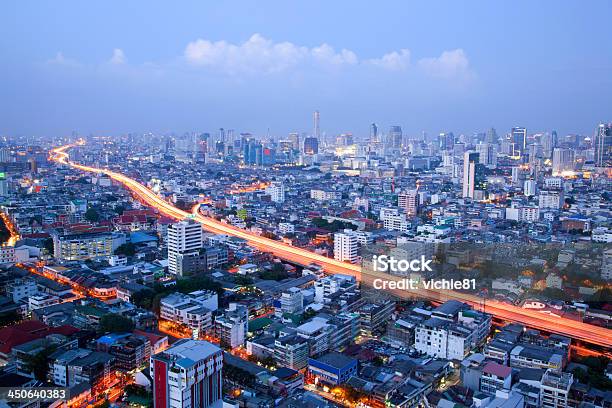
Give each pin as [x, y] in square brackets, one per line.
[38, 364]
[127, 249]
[92, 215]
[115, 323]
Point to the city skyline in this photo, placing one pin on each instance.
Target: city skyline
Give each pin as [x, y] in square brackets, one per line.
[410, 62]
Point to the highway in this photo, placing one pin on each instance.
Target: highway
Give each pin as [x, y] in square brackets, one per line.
[577, 330]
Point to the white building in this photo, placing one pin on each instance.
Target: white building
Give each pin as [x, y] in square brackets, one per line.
[232, 327]
[322, 195]
[555, 388]
[529, 188]
[183, 237]
[346, 246]
[331, 284]
[552, 199]
[393, 220]
[276, 191]
[41, 300]
[193, 310]
[292, 301]
[286, 228]
[562, 161]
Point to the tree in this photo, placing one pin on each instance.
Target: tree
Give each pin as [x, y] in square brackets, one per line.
[127, 249]
[115, 323]
[92, 215]
[38, 364]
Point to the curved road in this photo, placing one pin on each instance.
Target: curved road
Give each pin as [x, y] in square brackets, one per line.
[577, 330]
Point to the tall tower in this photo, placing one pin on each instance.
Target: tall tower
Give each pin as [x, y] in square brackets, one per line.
[317, 130]
[603, 145]
[470, 159]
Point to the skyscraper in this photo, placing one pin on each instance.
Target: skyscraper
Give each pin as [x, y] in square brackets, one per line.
[317, 130]
[563, 160]
[373, 133]
[487, 155]
[603, 145]
[470, 160]
[519, 138]
[311, 145]
[491, 136]
[188, 375]
[395, 137]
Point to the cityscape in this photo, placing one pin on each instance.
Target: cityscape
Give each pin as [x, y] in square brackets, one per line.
[247, 266]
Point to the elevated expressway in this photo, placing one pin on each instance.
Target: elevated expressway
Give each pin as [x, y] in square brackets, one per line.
[585, 333]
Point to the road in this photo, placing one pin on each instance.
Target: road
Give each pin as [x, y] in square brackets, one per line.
[577, 330]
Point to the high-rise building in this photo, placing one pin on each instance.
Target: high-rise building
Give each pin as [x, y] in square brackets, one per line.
[487, 155]
[374, 133]
[529, 188]
[346, 246]
[563, 160]
[294, 137]
[311, 145]
[183, 237]
[316, 119]
[188, 375]
[491, 136]
[446, 141]
[5, 155]
[276, 190]
[519, 138]
[470, 160]
[395, 137]
[603, 145]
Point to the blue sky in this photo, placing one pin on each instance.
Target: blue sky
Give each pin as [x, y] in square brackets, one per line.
[111, 67]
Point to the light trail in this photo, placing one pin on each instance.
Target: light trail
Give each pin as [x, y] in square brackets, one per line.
[587, 333]
[11, 228]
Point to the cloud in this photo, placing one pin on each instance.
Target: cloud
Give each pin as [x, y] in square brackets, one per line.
[118, 57]
[393, 61]
[450, 64]
[259, 54]
[60, 59]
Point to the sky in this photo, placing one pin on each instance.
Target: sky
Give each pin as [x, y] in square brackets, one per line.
[113, 67]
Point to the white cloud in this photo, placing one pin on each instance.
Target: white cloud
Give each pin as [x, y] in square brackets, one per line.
[118, 57]
[259, 54]
[393, 61]
[60, 59]
[450, 64]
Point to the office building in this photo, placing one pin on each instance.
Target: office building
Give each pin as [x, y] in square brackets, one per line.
[562, 161]
[188, 375]
[311, 146]
[603, 145]
[184, 242]
[291, 352]
[519, 139]
[470, 162]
